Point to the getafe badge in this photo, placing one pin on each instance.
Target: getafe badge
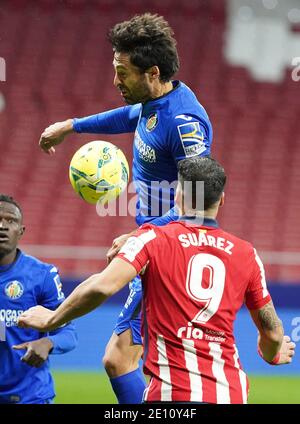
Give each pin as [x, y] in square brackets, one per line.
[14, 289]
[152, 122]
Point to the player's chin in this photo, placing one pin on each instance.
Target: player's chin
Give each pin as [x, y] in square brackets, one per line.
[5, 247]
[128, 100]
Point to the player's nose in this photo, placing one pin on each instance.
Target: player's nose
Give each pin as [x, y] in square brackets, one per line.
[116, 80]
[3, 225]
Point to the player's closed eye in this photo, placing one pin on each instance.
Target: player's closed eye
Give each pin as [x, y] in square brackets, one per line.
[122, 75]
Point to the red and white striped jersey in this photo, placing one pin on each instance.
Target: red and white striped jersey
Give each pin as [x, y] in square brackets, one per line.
[196, 279]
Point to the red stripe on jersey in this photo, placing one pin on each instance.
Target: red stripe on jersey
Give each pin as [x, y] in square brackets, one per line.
[242, 376]
[222, 385]
[153, 390]
[233, 377]
[205, 362]
[181, 386]
[191, 363]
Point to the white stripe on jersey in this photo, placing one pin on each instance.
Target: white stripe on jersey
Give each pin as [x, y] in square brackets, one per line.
[146, 391]
[242, 375]
[262, 273]
[148, 236]
[134, 245]
[222, 386]
[164, 370]
[191, 362]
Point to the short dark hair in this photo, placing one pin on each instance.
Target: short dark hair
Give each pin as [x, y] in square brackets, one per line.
[149, 41]
[9, 199]
[207, 170]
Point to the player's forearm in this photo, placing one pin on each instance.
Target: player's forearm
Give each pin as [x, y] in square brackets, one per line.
[68, 126]
[85, 298]
[269, 345]
[270, 330]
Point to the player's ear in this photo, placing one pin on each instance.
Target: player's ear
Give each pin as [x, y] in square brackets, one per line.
[154, 72]
[222, 200]
[22, 230]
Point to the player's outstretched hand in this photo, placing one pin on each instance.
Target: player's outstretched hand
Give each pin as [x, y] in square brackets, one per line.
[116, 246]
[37, 317]
[287, 351]
[54, 135]
[37, 351]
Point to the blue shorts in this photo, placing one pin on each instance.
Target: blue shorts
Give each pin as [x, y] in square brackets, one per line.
[130, 316]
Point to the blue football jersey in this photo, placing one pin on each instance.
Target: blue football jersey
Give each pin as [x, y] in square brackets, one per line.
[167, 129]
[25, 283]
[170, 128]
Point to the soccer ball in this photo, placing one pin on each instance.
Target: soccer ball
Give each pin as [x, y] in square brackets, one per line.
[99, 172]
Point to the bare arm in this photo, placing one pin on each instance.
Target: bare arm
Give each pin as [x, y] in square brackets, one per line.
[54, 135]
[273, 345]
[86, 297]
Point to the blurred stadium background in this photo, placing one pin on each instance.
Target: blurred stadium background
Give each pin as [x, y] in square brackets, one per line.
[240, 57]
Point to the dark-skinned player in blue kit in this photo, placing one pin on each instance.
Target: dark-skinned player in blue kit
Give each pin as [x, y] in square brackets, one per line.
[169, 124]
[25, 282]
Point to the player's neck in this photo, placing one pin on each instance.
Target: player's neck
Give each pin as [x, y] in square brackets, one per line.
[9, 258]
[161, 89]
[209, 214]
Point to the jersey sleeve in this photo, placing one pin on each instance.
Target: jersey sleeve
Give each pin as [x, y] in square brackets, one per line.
[52, 295]
[136, 250]
[257, 294]
[115, 121]
[189, 136]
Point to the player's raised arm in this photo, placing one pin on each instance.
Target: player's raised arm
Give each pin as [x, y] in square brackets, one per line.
[115, 121]
[54, 135]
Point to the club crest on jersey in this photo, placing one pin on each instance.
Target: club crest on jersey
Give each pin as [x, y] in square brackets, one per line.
[152, 122]
[192, 138]
[14, 289]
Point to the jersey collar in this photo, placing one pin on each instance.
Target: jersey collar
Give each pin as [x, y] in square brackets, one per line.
[206, 222]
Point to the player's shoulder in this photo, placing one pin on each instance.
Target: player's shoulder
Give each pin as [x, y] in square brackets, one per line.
[243, 245]
[148, 232]
[186, 110]
[36, 264]
[148, 227]
[187, 103]
[169, 228]
[186, 91]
